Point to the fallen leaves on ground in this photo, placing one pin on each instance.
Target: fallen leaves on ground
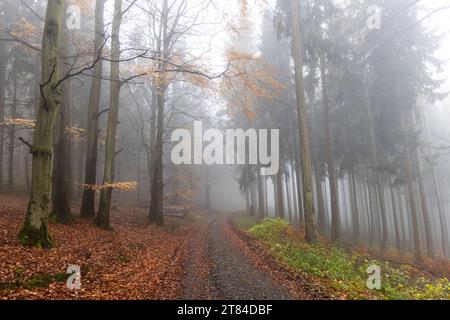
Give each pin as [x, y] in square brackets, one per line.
[135, 261]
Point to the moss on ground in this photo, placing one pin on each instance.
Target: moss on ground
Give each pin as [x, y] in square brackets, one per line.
[35, 281]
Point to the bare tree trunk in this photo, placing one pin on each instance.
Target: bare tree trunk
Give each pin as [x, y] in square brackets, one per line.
[423, 198]
[295, 193]
[12, 133]
[371, 211]
[403, 223]
[103, 218]
[156, 214]
[437, 192]
[152, 146]
[254, 202]
[321, 222]
[378, 184]
[425, 210]
[35, 229]
[298, 178]
[157, 192]
[27, 173]
[261, 197]
[335, 215]
[88, 198]
[396, 219]
[288, 199]
[61, 162]
[3, 61]
[442, 216]
[413, 208]
[279, 196]
[305, 152]
[355, 211]
[321, 212]
[363, 208]
[61, 151]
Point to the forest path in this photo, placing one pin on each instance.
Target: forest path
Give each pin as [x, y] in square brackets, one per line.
[219, 268]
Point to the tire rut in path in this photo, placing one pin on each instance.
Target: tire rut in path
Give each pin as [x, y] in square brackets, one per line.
[234, 274]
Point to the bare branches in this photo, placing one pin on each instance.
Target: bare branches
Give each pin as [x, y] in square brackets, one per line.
[29, 145]
[37, 15]
[118, 152]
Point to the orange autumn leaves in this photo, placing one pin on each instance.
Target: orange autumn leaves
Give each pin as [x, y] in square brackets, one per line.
[246, 78]
[249, 79]
[73, 133]
[120, 186]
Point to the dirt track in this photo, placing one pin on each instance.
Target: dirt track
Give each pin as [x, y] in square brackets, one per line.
[219, 269]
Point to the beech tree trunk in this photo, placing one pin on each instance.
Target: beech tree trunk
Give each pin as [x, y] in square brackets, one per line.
[88, 197]
[12, 133]
[61, 211]
[35, 228]
[103, 218]
[3, 61]
[156, 214]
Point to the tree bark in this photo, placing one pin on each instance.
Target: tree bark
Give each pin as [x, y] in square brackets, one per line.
[61, 211]
[156, 214]
[261, 197]
[424, 204]
[35, 228]
[157, 192]
[412, 203]
[423, 199]
[3, 62]
[103, 218]
[335, 215]
[299, 189]
[12, 133]
[279, 196]
[437, 191]
[396, 219]
[378, 184]
[88, 197]
[355, 211]
[288, 199]
[305, 150]
[254, 202]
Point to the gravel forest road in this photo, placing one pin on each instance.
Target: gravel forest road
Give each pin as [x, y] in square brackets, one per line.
[221, 266]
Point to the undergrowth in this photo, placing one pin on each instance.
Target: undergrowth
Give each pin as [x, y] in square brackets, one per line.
[342, 270]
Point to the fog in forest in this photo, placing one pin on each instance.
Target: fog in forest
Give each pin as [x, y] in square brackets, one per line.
[93, 95]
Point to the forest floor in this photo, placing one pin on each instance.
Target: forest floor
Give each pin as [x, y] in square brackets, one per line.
[135, 261]
[344, 269]
[200, 257]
